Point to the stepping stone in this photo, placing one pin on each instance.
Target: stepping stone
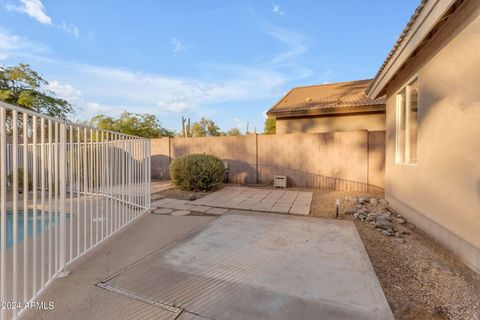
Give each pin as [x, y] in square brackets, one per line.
[162, 202]
[162, 211]
[300, 211]
[180, 206]
[156, 197]
[181, 213]
[218, 211]
[200, 208]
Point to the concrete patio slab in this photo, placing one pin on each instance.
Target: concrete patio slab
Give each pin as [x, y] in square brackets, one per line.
[217, 211]
[263, 266]
[282, 201]
[76, 297]
[162, 202]
[200, 208]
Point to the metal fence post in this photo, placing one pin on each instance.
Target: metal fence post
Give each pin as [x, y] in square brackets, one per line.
[62, 174]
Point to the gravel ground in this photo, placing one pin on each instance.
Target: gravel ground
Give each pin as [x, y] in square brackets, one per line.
[421, 279]
[182, 195]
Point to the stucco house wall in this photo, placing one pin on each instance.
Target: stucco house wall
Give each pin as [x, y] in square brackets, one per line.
[332, 123]
[441, 193]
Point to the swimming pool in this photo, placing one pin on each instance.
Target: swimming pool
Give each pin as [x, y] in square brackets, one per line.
[21, 223]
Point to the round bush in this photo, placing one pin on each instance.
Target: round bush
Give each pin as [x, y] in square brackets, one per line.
[197, 172]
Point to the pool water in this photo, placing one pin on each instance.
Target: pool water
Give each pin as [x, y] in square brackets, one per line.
[21, 223]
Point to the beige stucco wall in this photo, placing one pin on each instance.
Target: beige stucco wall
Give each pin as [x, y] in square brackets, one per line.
[334, 123]
[441, 194]
[351, 161]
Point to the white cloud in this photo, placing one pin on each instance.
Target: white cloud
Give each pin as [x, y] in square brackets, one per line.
[64, 91]
[178, 47]
[240, 124]
[8, 43]
[95, 108]
[296, 43]
[70, 28]
[101, 89]
[173, 106]
[12, 45]
[278, 10]
[33, 8]
[36, 10]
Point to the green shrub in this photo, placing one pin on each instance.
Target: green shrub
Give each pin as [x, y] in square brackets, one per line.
[197, 172]
[20, 180]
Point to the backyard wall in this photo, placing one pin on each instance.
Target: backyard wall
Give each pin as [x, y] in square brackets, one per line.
[351, 160]
[373, 121]
[441, 193]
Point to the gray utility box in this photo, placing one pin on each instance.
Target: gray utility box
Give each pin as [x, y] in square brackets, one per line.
[280, 182]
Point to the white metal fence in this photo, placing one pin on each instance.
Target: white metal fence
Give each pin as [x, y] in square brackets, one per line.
[64, 188]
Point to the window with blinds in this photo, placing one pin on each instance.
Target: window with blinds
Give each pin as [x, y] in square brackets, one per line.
[407, 123]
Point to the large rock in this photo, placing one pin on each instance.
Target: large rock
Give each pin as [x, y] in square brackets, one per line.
[384, 216]
[384, 224]
[386, 233]
[373, 201]
[363, 199]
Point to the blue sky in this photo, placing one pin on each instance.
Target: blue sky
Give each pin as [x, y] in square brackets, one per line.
[226, 60]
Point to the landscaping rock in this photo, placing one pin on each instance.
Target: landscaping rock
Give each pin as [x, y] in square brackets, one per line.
[384, 216]
[383, 202]
[359, 206]
[400, 240]
[191, 196]
[386, 233]
[400, 221]
[373, 201]
[363, 199]
[354, 199]
[385, 224]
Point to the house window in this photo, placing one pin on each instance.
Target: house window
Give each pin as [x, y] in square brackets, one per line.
[407, 123]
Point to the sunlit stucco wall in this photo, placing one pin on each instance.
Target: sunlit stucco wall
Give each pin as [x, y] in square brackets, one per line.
[441, 194]
[333, 123]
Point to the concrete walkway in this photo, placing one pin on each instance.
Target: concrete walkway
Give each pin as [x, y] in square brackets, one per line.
[78, 297]
[262, 266]
[267, 200]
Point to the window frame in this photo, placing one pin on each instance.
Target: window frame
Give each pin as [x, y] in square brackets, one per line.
[403, 158]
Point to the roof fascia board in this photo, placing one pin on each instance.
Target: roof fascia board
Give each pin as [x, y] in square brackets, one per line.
[433, 11]
[333, 111]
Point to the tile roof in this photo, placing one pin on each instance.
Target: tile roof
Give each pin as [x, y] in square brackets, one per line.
[400, 39]
[327, 98]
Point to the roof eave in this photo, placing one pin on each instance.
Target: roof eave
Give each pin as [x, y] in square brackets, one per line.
[428, 17]
[332, 111]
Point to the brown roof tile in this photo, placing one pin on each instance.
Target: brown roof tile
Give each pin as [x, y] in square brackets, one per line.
[327, 98]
